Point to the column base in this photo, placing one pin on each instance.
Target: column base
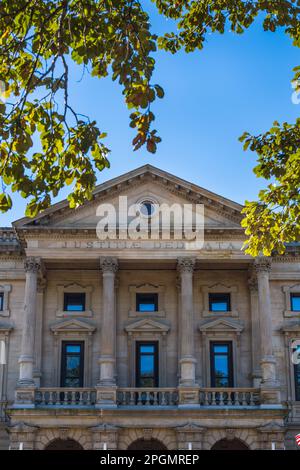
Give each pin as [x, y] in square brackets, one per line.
[268, 368]
[187, 372]
[188, 397]
[24, 396]
[270, 395]
[107, 371]
[106, 396]
[269, 387]
[256, 379]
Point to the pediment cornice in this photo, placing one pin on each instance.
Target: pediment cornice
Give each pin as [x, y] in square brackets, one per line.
[171, 183]
[72, 325]
[271, 428]
[104, 428]
[21, 427]
[221, 325]
[147, 325]
[190, 427]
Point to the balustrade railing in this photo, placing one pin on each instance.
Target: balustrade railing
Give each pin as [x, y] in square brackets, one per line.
[65, 396]
[128, 396]
[229, 397]
[147, 397]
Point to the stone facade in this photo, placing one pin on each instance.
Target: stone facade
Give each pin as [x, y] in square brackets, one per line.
[58, 252]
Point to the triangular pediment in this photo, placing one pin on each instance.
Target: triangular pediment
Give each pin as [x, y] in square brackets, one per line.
[190, 427]
[292, 327]
[147, 325]
[271, 427]
[22, 427]
[221, 324]
[72, 325]
[104, 427]
[145, 182]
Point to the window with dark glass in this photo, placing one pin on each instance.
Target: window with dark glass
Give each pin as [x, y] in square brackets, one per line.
[74, 302]
[146, 302]
[219, 302]
[221, 364]
[297, 376]
[146, 364]
[1, 301]
[147, 208]
[72, 364]
[295, 302]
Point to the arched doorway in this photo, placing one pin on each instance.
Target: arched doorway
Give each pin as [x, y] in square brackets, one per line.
[230, 444]
[64, 444]
[147, 444]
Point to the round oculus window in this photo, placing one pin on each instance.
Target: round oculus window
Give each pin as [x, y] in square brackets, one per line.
[147, 208]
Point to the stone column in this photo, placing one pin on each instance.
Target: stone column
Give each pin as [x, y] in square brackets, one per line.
[37, 372]
[268, 362]
[107, 358]
[255, 329]
[26, 360]
[185, 267]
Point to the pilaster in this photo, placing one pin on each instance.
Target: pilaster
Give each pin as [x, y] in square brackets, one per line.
[32, 266]
[255, 328]
[187, 362]
[106, 387]
[270, 392]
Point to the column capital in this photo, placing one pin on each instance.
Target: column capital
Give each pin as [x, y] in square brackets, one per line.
[263, 264]
[186, 265]
[32, 265]
[109, 264]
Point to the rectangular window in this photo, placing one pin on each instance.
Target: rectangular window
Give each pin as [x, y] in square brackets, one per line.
[72, 364]
[295, 302]
[147, 302]
[297, 377]
[221, 364]
[1, 301]
[219, 302]
[74, 302]
[146, 364]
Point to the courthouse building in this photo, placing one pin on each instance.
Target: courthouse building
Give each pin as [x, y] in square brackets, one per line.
[141, 343]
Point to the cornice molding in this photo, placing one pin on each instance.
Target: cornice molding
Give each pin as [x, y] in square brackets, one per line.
[211, 234]
[183, 189]
[286, 259]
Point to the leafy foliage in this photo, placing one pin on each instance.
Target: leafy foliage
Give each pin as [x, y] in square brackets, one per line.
[39, 38]
[274, 219]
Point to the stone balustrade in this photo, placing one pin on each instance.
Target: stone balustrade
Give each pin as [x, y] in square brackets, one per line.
[229, 397]
[147, 397]
[65, 396]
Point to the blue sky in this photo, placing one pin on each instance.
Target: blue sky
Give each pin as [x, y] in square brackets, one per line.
[236, 83]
